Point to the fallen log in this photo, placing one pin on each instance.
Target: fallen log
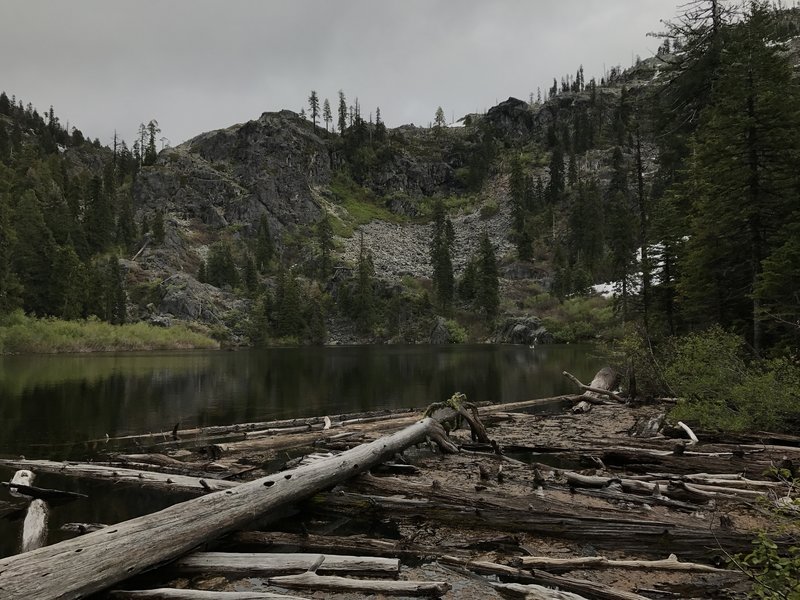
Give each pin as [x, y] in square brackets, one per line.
[93, 562]
[178, 594]
[327, 583]
[601, 562]
[41, 493]
[532, 591]
[265, 564]
[637, 535]
[163, 481]
[535, 576]
[604, 381]
[354, 544]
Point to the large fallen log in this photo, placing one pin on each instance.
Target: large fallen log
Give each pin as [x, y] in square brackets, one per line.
[672, 563]
[96, 561]
[264, 564]
[639, 536]
[178, 594]
[328, 583]
[162, 481]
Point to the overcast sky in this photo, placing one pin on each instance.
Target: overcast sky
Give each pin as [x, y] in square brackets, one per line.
[197, 65]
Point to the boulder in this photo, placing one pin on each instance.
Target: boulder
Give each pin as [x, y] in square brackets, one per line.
[441, 333]
[527, 330]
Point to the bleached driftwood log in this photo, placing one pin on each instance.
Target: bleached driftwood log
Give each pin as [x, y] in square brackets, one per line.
[163, 481]
[268, 564]
[604, 381]
[327, 583]
[179, 594]
[601, 562]
[93, 562]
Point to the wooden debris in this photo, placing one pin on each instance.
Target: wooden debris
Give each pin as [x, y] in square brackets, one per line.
[600, 562]
[163, 481]
[178, 594]
[311, 581]
[91, 563]
[570, 584]
[266, 564]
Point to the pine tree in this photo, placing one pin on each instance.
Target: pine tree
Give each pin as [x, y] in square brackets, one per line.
[342, 113]
[440, 248]
[250, 275]
[221, 268]
[488, 279]
[313, 105]
[126, 228]
[288, 316]
[99, 217]
[264, 247]
[115, 298]
[151, 152]
[33, 255]
[69, 283]
[327, 116]
[380, 127]
[439, 120]
[746, 164]
[10, 288]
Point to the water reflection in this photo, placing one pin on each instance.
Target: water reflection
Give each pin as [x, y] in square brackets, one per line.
[47, 402]
[51, 405]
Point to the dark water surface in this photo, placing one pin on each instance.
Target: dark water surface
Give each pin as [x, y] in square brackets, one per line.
[50, 406]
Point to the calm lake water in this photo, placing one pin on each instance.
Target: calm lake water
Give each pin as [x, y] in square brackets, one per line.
[50, 406]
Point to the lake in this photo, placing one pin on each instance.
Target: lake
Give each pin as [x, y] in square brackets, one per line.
[51, 406]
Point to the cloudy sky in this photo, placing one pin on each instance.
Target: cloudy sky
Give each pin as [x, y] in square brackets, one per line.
[196, 65]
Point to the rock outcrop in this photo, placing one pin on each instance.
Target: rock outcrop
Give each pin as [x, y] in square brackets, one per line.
[527, 330]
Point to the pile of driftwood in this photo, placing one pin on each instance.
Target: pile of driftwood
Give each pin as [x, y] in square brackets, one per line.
[576, 504]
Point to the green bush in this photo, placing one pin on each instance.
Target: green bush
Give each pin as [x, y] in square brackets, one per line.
[775, 571]
[458, 334]
[719, 389]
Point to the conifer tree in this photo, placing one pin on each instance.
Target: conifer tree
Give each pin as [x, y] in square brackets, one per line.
[221, 268]
[440, 252]
[327, 116]
[69, 283]
[99, 217]
[264, 247]
[746, 164]
[313, 105]
[150, 152]
[342, 113]
[202, 275]
[250, 275]
[33, 255]
[439, 120]
[10, 287]
[288, 316]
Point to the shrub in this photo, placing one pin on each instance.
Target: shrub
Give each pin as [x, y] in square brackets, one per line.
[719, 389]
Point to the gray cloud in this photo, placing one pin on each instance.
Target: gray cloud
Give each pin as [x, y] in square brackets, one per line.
[197, 65]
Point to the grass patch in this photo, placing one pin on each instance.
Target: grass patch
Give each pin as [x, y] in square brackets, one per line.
[20, 334]
[361, 205]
